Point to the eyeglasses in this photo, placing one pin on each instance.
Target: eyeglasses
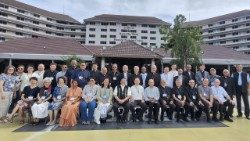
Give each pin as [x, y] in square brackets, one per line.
[20, 68]
[11, 69]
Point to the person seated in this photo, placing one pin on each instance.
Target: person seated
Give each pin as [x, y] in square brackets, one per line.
[88, 105]
[122, 94]
[166, 100]
[59, 95]
[193, 101]
[137, 99]
[40, 108]
[70, 109]
[207, 99]
[104, 99]
[226, 104]
[179, 96]
[28, 97]
[152, 96]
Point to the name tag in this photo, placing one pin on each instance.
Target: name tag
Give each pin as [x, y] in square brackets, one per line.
[114, 78]
[43, 97]
[164, 95]
[205, 94]
[179, 96]
[194, 97]
[80, 77]
[59, 97]
[72, 98]
[225, 84]
[30, 97]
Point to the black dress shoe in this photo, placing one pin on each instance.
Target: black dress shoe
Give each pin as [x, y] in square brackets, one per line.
[248, 118]
[228, 119]
[162, 117]
[215, 120]
[156, 122]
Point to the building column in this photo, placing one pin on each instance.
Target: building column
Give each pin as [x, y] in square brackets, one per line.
[103, 62]
[229, 67]
[152, 62]
[10, 61]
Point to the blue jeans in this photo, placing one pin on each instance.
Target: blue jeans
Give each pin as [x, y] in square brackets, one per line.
[87, 116]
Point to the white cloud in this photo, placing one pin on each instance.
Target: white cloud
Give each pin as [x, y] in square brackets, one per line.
[164, 9]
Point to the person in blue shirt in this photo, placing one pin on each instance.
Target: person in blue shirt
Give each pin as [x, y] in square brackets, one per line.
[81, 75]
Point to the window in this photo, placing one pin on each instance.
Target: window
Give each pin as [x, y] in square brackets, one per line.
[19, 26]
[91, 42]
[34, 36]
[103, 42]
[144, 37]
[113, 30]
[235, 26]
[152, 32]
[103, 36]
[91, 29]
[235, 33]
[19, 33]
[112, 23]
[133, 25]
[20, 11]
[222, 22]
[59, 34]
[236, 40]
[36, 22]
[36, 15]
[3, 30]
[247, 24]
[210, 25]
[152, 44]
[83, 29]
[20, 18]
[211, 43]
[112, 42]
[104, 23]
[247, 17]
[144, 44]
[4, 6]
[73, 29]
[222, 29]
[82, 42]
[133, 31]
[124, 30]
[144, 31]
[104, 30]
[210, 37]
[112, 36]
[152, 38]
[234, 20]
[3, 22]
[236, 47]
[35, 29]
[60, 28]
[210, 31]
[3, 14]
[248, 39]
[124, 24]
[123, 36]
[82, 36]
[222, 42]
[2, 39]
[91, 35]
[152, 26]
[144, 25]
[223, 35]
[92, 23]
[248, 31]
[49, 19]
[48, 32]
[72, 35]
[48, 25]
[132, 37]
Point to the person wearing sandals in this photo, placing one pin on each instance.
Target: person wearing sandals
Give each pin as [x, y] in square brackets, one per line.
[59, 95]
[40, 108]
[28, 97]
[89, 102]
[7, 88]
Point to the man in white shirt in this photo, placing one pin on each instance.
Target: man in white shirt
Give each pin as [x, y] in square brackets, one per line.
[137, 99]
[122, 94]
[226, 104]
[168, 77]
[39, 75]
[174, 70]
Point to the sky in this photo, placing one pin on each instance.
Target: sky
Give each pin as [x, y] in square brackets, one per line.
[163, 9]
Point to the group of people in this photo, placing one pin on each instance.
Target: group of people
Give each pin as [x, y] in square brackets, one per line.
[75, 93]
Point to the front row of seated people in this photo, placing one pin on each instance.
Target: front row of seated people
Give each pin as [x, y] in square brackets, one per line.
[94, 102]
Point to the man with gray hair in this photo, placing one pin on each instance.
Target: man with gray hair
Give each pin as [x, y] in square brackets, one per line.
[154, 75]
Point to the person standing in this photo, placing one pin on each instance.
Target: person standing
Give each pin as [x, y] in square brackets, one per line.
[188, 73]
[168, 77]
[103, 75]
[136, 74]
[241, 81]
[95, 73]
[144, 76]
[39, 75]
[114, 74]
[153, 75]
[81, 75]
[212, 77]
[71, 71]
[125, 74]
[182, 78]
[63, 71]
[51, 73]
[201, 75]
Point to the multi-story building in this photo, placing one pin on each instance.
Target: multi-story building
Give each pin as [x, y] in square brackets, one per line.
[231, 30]
[18, 19]
[109, 30]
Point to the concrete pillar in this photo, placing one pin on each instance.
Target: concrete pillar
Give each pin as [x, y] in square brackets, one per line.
[10, 61]
[229, 67]
[152, 62]
[103, 62]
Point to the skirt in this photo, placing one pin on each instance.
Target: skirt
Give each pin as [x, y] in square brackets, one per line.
[5, 103]
[40, 110]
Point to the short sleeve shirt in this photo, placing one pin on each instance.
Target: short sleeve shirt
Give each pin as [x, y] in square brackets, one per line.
[9, 82]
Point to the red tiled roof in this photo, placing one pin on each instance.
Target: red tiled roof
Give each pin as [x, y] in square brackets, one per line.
[127, 19]
[127, 49]
[37, 10]
[44, 46]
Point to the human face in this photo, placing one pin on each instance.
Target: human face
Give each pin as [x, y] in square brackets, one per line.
[73, 63]
[40, 67]
[217, 82]
[104, 70]
[74, 84]
[94, 67]
[178, 83]
[163, 83]
[64, 68]
[92, 81]
[143, 69]
[153, 69]
[136, 69]
[137, 81]
[213, 72]
[151, 83]
[33, 82]
[180, 71]
[106, 82]
[226, 73]
[60, 81]
[173, 67]
[125, 68]
[239, 68]
[205, 82]
[30, 69]
[52, 67]
[166, 69]
[191, 83]
[46, 84]
[123, 81]
[114, 67]
[20, 69]
[83, 66]
[202, 67]
[189, 67]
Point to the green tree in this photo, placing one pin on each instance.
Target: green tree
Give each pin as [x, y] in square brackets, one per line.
[183, 41]
[68, 59]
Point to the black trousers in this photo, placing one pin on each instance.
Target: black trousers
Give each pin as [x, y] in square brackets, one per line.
[153, 109]
[214, 109]
[167, 107]
[142, 111]
[125, 105]
[14, 102]
[244, 95]
[180, 110]
[225, 109]
[195, 111]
